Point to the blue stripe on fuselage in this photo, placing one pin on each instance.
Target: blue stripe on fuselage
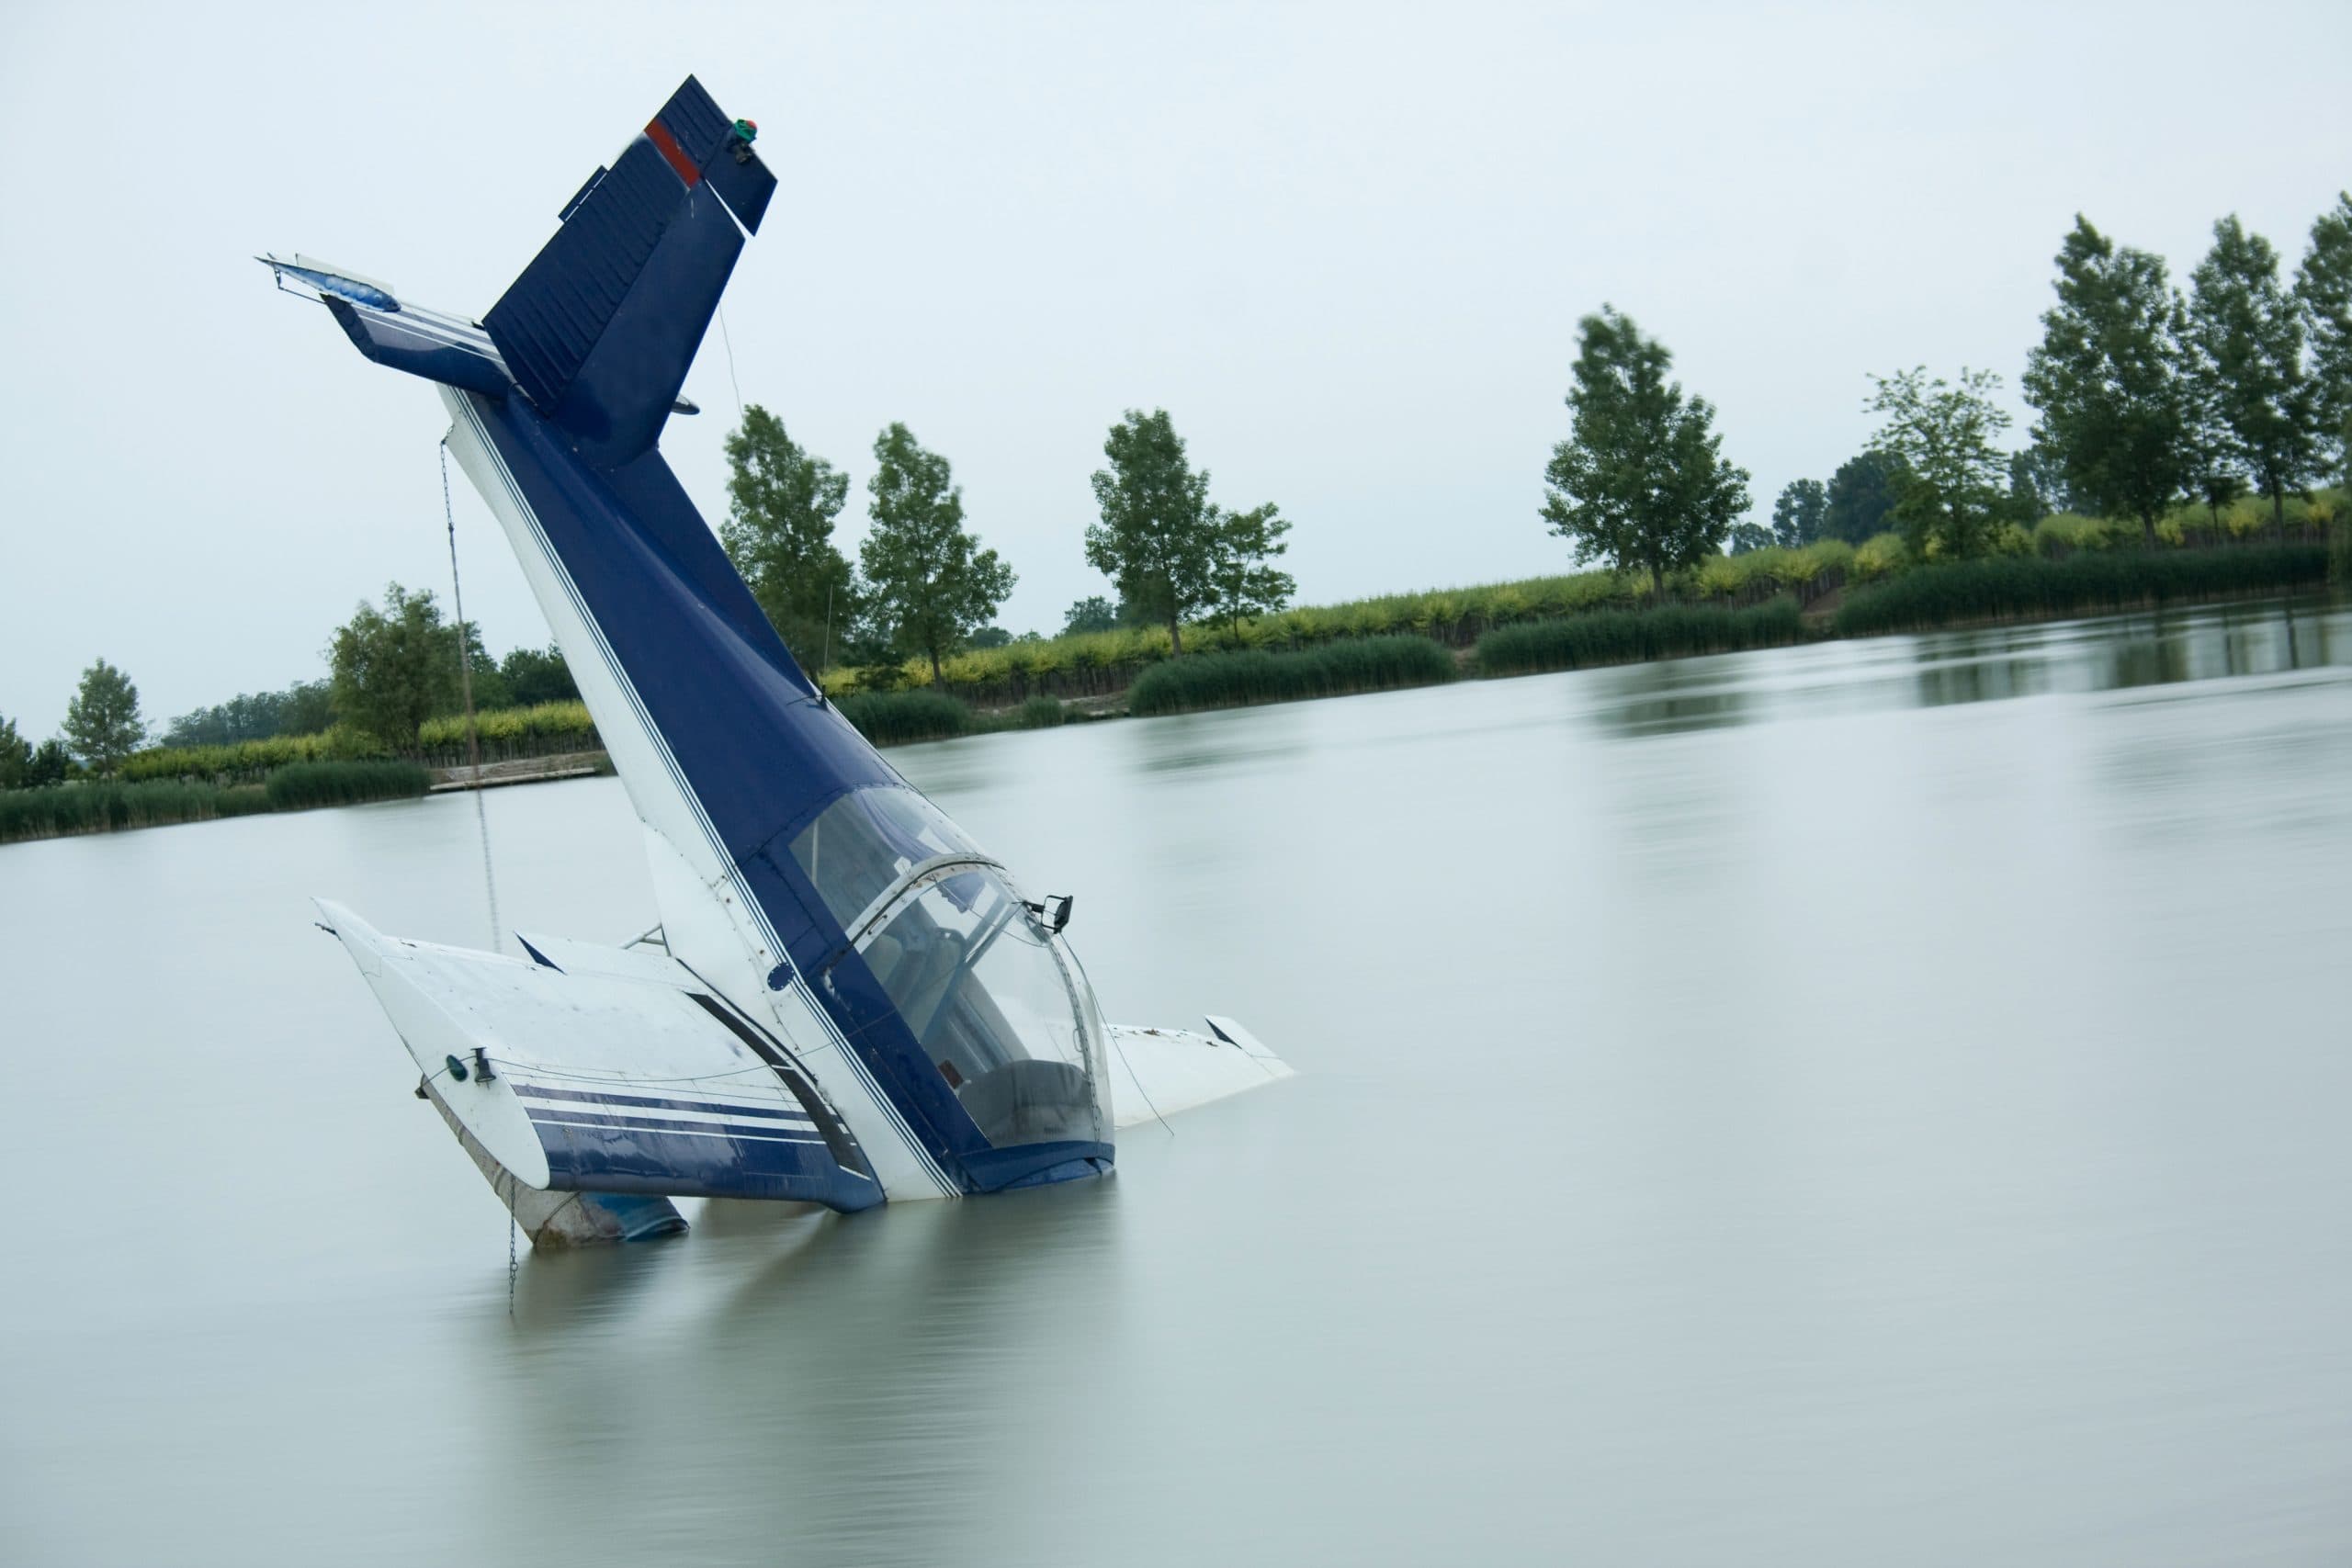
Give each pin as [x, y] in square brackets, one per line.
[562, 1115]
[650, 1102]
[634, 1159]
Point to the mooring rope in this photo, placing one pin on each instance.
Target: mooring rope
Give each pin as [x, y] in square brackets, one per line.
[731, 364]
[465, 689]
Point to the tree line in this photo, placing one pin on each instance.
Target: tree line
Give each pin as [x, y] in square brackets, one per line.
[924, 585]
[391, 668]
[2147, 398]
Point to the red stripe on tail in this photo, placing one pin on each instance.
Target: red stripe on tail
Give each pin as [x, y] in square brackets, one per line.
[658, 134]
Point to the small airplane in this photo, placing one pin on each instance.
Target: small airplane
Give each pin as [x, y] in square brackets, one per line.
[846, 1000]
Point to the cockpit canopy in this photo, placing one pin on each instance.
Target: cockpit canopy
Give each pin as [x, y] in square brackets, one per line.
[997, 1003]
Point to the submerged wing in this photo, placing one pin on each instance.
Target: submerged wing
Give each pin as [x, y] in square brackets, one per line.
[620, 1073]
[1158, 1072]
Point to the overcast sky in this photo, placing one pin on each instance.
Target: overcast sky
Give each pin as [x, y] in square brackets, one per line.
[1345, 247]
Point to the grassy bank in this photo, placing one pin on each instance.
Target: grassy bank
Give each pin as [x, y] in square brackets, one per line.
[899, 718]
[63, 809]
[1233, 679]
[1618, 637]
[2012, 588]
[1099, 664]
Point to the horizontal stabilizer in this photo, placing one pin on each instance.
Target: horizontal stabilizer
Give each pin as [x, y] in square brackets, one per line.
[624, 1075]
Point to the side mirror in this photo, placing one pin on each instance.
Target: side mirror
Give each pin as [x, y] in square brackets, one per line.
[1053, 914]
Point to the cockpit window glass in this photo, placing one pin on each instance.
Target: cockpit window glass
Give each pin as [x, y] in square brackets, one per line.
[858, 847]
[998, 1011]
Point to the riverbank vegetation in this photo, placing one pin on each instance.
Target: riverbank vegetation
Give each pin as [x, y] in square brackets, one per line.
[108, 805]
[1237, 679]
[2021, 588]
[2179, 439]
[1618, 637]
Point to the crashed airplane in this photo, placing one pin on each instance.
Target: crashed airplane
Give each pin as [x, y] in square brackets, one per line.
[846, 1000]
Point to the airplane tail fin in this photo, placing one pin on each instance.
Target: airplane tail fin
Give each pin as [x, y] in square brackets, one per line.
[599, 330]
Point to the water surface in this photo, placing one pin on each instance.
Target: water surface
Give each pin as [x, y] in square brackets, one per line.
[1875, 1102]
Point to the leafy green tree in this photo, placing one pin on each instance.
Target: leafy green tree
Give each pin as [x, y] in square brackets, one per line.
[1861, 496]
[2039, 468]
[1955, 481]
[102, 722]
[1242, 581]
[49, 765]
[1641, 480]
[1157, 538]
[535, 675]
[2027, 504]
[990, 636]
[2110, 381]
[932, 584]
[2248, 334]
[394, 668]
[1749, 535]
[15, 755]
[781, 503]
[1800, 513]
[1093, 614]
[2323, 289]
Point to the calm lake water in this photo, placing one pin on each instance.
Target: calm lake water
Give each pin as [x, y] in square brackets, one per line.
[1879, 1102]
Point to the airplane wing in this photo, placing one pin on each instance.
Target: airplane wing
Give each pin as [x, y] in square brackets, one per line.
[621, 1074]
[1157, 1072]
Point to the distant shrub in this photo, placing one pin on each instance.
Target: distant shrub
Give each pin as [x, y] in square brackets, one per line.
[1039, 713]
[305, 785]
[2000, 588]
[896, 719]
[1616, 637]
[1232, 680]
[60, 810]
[504, 732]
[1881, 555]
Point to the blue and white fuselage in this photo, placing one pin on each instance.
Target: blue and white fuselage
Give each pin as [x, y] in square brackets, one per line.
[851, 1001]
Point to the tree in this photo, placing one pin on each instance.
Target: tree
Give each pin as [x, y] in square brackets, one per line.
[2109, 380]
[102, 722]
[1861, 496]
[535, 675]
[1241, 582]
[781, 503]
[2323, 289]
[1640, 481]
[2249, 339]
[1094, 614]
[15, 755]
[991, 637]
[394, 668]
[931, 583]
[2038, 466]
[49, 765]
[2027, 506]
[1749, 535]
[1157, 536]
[1800, 513]
[1954, 481]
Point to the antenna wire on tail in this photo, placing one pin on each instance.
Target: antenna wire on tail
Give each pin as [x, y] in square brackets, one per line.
[466, 690]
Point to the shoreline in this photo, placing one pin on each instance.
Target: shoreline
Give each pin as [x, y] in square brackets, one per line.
[569, 766]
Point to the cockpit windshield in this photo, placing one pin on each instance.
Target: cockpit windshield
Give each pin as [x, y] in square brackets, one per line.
[993, 997]
[858, 848]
